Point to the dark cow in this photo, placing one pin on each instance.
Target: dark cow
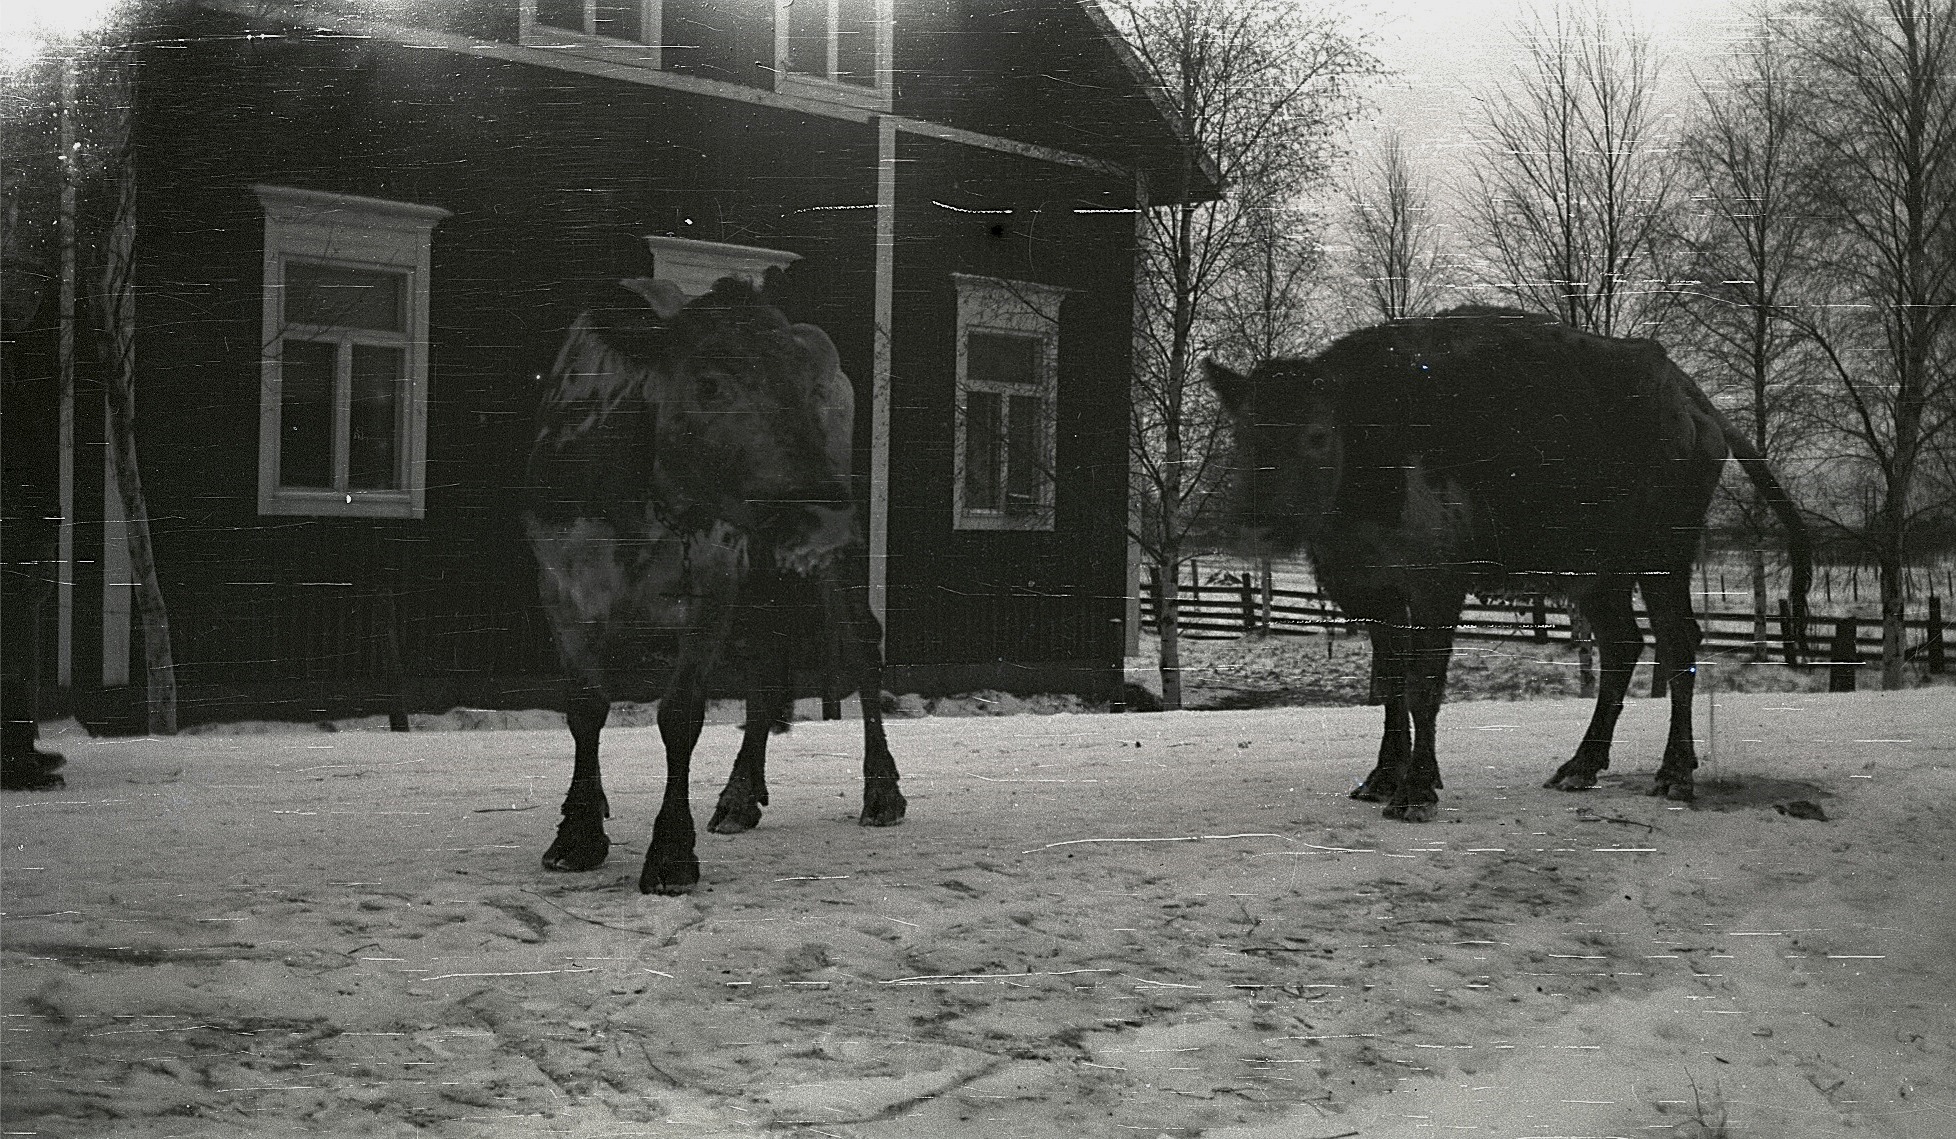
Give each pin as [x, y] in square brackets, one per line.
[1487, 449]
[691, 492]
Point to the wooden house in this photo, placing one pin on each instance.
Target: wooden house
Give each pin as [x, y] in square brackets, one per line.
[361, 229]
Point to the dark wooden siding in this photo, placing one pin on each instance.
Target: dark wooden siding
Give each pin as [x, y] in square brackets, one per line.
[959, 596]
[552, 181]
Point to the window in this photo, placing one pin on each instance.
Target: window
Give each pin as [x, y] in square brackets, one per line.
[1008, 367]
[343, 412]
[624, 31]
[835, 50]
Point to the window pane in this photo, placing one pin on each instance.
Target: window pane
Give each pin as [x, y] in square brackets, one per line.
[1026, 460]
[344, 298]
[561, 14]
[982, 447]
[305, 417]
[994, 359]
[855, 42]
[808, 37]
[374, 436]
[620, 19]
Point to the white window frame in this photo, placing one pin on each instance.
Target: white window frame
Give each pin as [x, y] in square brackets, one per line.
[692, 266]
[363, 234]
[642, 52]
[1024, 309]
[825, 87]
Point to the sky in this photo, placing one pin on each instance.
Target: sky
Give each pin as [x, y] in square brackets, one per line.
[1446, 53]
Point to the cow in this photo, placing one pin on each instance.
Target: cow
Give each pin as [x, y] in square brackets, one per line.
[1491, 450]
[690, 496]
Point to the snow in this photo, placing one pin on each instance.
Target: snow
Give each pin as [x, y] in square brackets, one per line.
[1090, 925]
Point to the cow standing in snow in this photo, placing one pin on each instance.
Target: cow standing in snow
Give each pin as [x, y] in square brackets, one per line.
[1486, 449]
[690, 485]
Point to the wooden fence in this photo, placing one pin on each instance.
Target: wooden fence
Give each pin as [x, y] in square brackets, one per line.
[1229, 608]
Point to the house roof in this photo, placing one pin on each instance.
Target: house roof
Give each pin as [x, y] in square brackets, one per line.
[1057, 74]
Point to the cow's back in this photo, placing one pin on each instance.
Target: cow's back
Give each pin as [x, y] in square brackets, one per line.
[1562, 441]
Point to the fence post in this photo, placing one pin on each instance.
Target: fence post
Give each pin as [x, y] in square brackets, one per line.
[1845, 655]
[1541, 618]
[1248, 592]
[1937, 661]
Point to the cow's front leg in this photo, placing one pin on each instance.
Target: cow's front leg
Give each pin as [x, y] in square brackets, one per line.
[671, 865]
[1429, 649]
[581, 843]
[883, 802]
[1388, 687]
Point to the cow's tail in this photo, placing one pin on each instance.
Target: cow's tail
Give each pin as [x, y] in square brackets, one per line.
[1799, 546]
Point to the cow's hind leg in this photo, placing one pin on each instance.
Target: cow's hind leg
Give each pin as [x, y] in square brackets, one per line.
[581, 843]
[883, 801]
[740, 803]
[671, 864]
[1678, 638]
[1614, 623]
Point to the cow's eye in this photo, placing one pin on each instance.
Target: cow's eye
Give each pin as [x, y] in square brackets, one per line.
[708, 387]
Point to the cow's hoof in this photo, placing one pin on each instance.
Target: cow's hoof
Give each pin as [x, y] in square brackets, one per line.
[669, 876]
[1674, 789]
[1566, 780]
[733, 816]
[883, 805]
[1413, 812]
[579, 846]
[1374, 790]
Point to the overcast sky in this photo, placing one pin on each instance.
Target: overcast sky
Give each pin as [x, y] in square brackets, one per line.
[1448, 52]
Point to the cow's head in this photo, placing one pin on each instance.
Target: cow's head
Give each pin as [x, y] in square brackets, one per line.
[753, 416]
[1288, 455]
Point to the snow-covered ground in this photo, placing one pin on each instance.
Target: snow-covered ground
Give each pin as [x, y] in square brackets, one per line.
[1090, 925]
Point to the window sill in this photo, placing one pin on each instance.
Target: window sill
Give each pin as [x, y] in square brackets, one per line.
[1033, 521]
[340, 504]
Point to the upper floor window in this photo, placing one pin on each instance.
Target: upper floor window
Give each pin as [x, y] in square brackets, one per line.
[1007, 385]
[343, 409]
[624, 31]
[836, 50]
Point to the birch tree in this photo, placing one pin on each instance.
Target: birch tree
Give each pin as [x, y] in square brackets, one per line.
[1262, 89]
[1884, 135]
[1571, 185]
[1396, 237]
[1756, 255]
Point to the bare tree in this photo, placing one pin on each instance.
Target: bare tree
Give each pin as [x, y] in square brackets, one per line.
[1571, 189]
[92, 86]
[1572, 184]
[1266, 301]
[1395, 233]
[1262, 89]
[1884, 132]
[1755, 252]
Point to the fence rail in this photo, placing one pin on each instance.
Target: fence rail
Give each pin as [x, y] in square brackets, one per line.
[1228, 609]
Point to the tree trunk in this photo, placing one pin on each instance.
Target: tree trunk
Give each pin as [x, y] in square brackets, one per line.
[117, 309]
[1168, 627]
[1891, 617]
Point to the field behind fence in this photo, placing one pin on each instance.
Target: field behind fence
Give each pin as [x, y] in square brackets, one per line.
[1227, 603]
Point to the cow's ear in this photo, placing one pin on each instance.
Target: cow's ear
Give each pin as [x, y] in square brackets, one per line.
[1232, 388]
[664, 296]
